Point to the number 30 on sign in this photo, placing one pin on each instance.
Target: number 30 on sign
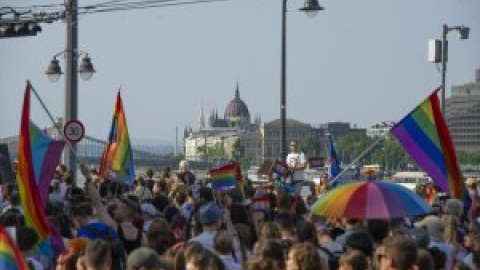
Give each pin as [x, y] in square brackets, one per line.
[74, 131]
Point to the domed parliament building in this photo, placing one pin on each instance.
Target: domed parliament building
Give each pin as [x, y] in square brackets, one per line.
[235, 131]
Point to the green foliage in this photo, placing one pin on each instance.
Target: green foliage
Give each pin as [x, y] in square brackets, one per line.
[388, 153]
[311, 146]
[466, 158]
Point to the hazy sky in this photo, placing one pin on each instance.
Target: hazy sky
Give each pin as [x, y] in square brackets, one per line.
[357, 61]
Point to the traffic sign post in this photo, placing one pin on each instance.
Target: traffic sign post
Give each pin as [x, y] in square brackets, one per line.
[74, 131]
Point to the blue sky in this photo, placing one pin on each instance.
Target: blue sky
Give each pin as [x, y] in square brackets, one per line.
[357, 61]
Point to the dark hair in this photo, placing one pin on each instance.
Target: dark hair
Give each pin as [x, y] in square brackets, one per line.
[83, 210]
[27, 238]
[402, 250]
[425, 260]
[104, 188]
[149, 173]
[360, 241]
[270, 249]
[262, 264]
[160, 202]
[206, 194]
[439, 257]
[378, 229]
[285, 220]
[307, 232]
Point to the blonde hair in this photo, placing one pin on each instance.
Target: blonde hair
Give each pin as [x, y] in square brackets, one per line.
[450, 225]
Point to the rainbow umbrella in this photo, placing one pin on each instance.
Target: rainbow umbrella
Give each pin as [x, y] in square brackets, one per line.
[370, 200]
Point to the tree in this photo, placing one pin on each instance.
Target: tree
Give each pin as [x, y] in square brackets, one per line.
[311, 145]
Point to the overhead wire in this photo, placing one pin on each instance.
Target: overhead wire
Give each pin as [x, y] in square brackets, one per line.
[161, 3]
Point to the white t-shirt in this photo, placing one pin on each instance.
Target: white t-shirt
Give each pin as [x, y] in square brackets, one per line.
[295, 160]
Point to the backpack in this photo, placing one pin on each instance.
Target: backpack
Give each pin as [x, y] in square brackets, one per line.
[119, 257]
[332, 259]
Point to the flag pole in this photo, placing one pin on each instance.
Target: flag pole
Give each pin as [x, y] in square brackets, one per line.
[357, 159]
[51, 117]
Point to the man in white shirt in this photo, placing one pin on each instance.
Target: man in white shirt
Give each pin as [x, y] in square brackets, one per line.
[297, 163]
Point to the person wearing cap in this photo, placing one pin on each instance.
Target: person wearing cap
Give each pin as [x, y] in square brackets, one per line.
[149, 212]
[209, 215]
[145, 259]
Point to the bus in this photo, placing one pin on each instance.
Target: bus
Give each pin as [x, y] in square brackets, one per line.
[410, 180]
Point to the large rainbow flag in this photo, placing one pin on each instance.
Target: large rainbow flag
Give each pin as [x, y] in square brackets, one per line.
[10, 257]
[424, 135]
[46, 155]
[117, 160]
[29, 194]
[224, 178]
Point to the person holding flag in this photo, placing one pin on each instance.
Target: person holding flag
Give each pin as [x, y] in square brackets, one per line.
[296, 162]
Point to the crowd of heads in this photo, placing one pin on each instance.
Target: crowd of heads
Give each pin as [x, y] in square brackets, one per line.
[170, 220]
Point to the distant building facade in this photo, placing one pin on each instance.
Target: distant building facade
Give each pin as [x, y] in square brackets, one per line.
[462, 111]
[271, 136]
[381, 129]
[235, 133]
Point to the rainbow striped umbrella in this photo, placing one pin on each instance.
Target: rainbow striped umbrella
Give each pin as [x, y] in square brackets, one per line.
[370, 200]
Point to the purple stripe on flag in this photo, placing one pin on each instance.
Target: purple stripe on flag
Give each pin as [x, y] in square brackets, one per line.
[422, 158]
[50, 162]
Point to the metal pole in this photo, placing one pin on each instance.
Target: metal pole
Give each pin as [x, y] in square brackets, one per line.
[444, 65]
[283, 98]
[71, 77]
[356, 159]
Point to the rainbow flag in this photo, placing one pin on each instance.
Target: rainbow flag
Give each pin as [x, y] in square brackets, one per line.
[10, 257]
[261, 204]
[29, 194]
[280, 168]
[46, 155]
[424, 135]
[224, 177]
[117, 158]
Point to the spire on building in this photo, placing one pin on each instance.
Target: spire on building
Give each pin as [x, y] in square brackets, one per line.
[202, 118]
[237, 92]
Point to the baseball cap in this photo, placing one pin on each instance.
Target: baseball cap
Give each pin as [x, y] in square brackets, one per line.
[149, 209]
[209, 213]
[420, 236]
[147, 258]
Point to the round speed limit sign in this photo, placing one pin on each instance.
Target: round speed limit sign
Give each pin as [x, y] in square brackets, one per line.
[74, 131]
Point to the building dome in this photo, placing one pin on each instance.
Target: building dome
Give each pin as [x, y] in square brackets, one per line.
[237, 111]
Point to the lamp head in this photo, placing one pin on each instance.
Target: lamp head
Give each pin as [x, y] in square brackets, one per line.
[86, 69]
[54, 71]
[311, 8]
[463, 32]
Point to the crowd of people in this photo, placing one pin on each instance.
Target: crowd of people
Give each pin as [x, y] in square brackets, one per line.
[175, 221]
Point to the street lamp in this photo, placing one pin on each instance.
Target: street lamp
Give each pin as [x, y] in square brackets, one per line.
[54, 72]
[436, 57]
[85, 70]
[311, 8]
